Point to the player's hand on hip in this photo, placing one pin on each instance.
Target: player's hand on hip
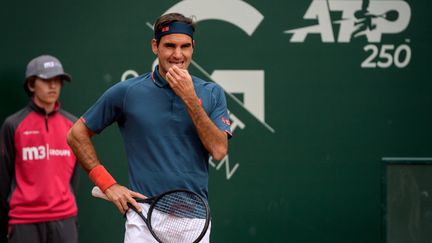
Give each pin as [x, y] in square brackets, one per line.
[181, 82]
[120, 196]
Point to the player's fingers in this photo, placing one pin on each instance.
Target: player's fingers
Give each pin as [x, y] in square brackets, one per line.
[135, 204]
[168, 76]
[175, 70]
[137, 195]
[171, 79]
[124, 205]
[180, 73]
[120, 206]
[120, 196]
[132, 201]
[173, 76]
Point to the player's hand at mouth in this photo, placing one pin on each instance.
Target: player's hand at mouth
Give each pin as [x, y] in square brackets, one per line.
[179, 64]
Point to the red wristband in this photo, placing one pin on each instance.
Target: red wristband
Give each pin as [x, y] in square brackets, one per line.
[101, 177]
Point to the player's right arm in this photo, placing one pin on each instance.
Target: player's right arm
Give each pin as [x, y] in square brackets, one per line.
[79, 139]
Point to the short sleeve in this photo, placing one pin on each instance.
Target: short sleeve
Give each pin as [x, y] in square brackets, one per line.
[219, 115]
[107, 109]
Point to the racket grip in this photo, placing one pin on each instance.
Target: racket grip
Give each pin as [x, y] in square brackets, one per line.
[97, 192]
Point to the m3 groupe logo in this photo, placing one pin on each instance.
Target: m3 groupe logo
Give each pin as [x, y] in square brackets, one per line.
[370, 19]
[43, 152]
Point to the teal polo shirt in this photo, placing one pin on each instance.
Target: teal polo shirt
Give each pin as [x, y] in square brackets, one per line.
[163, 149]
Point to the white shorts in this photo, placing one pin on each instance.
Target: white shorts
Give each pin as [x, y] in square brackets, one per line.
[137, 231]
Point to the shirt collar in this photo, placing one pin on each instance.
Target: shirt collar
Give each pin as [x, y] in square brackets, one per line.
[41, 110]
[158, 79]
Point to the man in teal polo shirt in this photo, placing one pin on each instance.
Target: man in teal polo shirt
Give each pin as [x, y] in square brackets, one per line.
[170, 122]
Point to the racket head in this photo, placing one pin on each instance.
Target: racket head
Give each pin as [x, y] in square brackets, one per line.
[178, 216]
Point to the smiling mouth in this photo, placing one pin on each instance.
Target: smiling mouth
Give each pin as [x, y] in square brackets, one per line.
[179, 64]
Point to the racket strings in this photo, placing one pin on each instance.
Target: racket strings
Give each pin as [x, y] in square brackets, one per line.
[178, 217]
[182, 204]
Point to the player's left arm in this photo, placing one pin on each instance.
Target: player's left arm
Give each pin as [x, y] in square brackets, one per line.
[213, 139]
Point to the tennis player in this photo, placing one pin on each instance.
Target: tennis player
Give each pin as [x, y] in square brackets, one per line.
[170, 122]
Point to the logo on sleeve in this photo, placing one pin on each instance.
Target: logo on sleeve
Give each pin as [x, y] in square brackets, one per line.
[226, 121]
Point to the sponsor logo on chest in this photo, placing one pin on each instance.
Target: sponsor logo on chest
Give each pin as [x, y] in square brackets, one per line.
[43, 152]
[31, 132]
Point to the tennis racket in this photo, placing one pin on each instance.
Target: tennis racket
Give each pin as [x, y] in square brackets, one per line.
[174, 216]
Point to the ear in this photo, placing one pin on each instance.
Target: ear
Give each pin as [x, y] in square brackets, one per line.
[30, 85]
[154, 47]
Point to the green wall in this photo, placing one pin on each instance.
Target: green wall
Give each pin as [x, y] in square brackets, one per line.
[312, 123]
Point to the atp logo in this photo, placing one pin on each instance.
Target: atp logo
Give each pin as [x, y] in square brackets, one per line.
[360, 18]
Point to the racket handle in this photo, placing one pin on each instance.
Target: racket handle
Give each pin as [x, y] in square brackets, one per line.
[97, 192]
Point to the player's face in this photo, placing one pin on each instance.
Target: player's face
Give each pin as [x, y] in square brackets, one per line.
[46, 91]
[173, 49]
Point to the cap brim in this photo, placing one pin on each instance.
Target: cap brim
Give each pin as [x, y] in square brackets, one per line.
[64, 76]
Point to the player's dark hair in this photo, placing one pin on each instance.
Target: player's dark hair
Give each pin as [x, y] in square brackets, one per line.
[30, 81]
